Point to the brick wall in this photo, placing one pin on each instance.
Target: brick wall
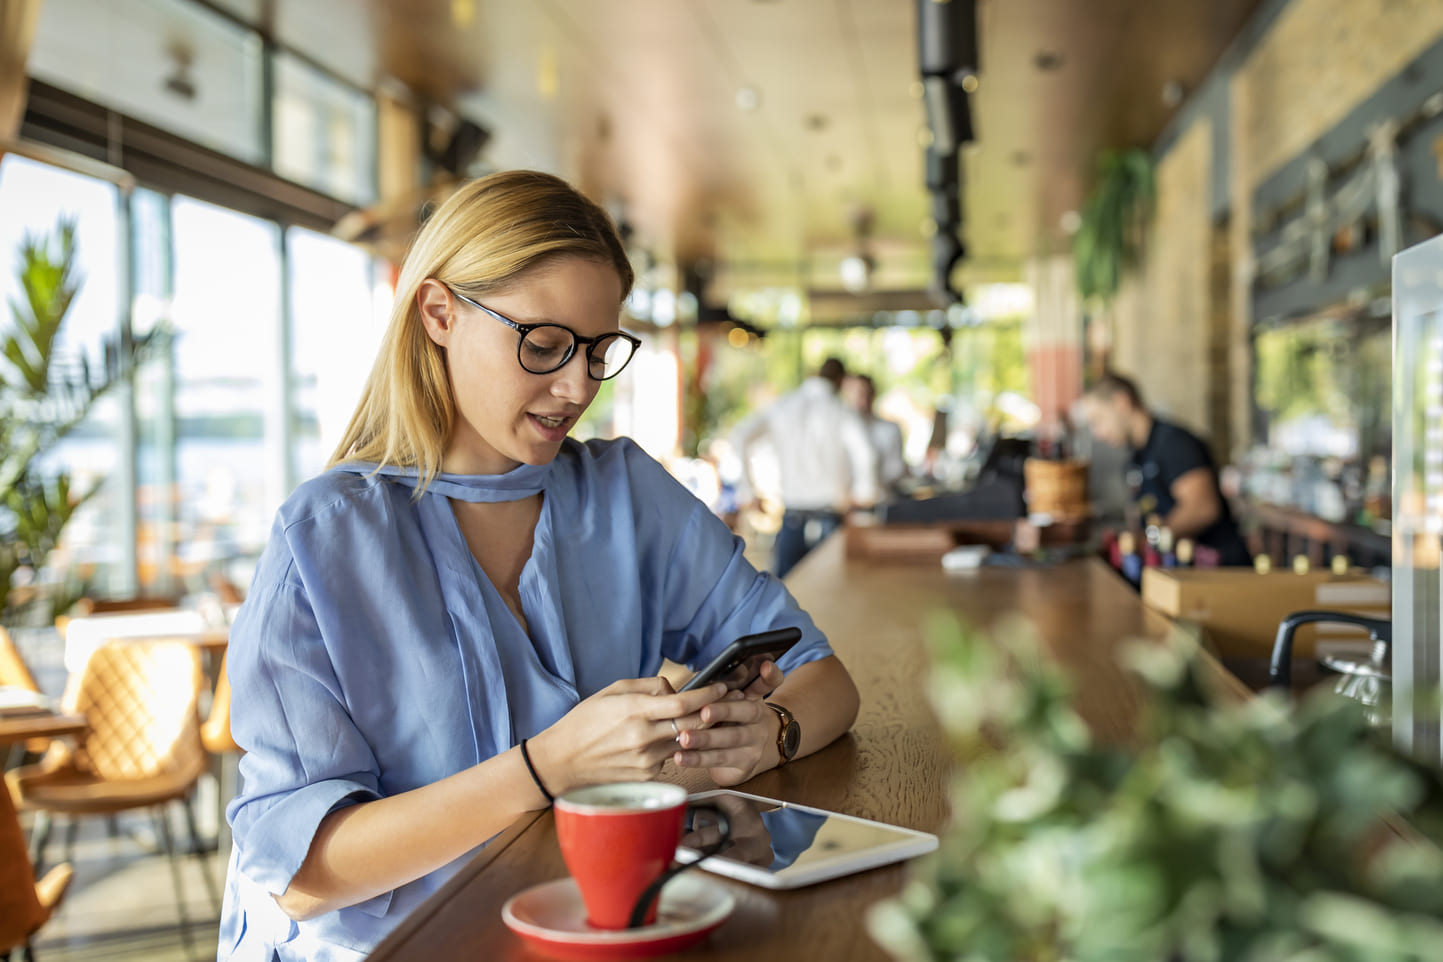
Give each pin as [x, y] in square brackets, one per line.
[1162, 319]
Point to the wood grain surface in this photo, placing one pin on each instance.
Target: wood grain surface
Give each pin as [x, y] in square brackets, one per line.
[893, 766]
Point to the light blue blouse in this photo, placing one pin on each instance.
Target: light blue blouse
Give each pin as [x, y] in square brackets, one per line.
[373, 655]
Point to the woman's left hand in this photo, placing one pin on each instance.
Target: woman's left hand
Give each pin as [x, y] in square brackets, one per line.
[738, 737]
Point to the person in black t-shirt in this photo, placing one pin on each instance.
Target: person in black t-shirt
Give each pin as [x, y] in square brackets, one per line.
[1169, 465]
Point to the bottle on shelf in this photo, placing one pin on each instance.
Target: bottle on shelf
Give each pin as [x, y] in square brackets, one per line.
[1152, 534]
[1111, 549]
[1184, 553]
[1131, 561]
[1166, 548]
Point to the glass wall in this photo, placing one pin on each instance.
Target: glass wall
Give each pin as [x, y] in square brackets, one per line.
[35, 199]
[325, 132]
[231, 456]
[338, 310]
[171, 63]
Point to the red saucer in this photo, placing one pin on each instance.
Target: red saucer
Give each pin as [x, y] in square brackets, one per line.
[551, 918]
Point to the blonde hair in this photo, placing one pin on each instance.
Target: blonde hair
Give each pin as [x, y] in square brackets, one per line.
[483, 239]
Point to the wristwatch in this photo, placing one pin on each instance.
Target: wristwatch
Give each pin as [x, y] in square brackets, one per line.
[789, 737]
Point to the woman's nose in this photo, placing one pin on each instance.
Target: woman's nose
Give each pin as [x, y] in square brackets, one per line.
[571, 382]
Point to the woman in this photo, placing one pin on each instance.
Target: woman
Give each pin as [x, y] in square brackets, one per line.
[465, 615]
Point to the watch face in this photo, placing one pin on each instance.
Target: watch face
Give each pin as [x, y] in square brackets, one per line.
[791, 740]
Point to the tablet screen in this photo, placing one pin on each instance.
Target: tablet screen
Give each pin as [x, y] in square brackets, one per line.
[795, 845]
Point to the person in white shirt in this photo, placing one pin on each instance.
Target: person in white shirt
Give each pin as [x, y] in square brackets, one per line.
[825, 461]
[886, 436]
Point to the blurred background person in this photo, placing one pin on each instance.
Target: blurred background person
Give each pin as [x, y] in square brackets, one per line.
[1171, 473]
[825, 461]
[860, 392]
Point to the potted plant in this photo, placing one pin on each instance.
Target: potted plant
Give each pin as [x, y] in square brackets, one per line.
[1110, 236]
[1252, 831]
[45, 392]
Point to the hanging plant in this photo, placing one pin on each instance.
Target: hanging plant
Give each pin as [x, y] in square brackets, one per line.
[1109, 240]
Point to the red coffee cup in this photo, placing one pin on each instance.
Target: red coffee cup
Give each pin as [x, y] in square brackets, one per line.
[619, 843]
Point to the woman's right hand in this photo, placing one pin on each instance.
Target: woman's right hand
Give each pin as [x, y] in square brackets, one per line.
[623, 733]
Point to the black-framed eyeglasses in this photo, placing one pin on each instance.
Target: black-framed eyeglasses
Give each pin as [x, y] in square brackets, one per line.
[544, 348]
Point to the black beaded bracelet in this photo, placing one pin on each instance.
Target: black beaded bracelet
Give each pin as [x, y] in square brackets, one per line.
[526, 757]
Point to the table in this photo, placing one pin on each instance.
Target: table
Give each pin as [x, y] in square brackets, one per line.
[893, 766]
[19, 728]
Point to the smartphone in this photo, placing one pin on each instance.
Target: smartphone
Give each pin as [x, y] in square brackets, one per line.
[741, 663]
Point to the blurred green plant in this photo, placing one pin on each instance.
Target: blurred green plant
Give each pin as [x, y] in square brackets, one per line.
[1228, 832]
[45, 392]
[1109, 239]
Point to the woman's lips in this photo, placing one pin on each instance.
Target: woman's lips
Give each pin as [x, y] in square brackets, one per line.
[552, 427]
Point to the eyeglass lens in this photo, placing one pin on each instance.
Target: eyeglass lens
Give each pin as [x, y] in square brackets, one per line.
[547, 347]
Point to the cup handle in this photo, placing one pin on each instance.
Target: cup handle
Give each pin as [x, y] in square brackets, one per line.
[649, 895]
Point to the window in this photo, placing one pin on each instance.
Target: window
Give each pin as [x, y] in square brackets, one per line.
[337, 319]
[35, 197]
[170, 63]
[325, 132]
[231, 458]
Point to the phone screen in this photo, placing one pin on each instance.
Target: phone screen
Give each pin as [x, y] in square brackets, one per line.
[745, 671]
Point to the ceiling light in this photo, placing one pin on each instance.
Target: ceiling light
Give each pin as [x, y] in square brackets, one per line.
[749, 99]
[969, 83]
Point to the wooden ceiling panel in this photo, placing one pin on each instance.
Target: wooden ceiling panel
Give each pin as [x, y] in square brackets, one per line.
[636, 100]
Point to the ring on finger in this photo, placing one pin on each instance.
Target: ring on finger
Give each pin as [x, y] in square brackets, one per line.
[675, 729]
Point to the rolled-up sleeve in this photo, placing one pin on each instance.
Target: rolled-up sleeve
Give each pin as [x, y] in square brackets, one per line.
[304, 756]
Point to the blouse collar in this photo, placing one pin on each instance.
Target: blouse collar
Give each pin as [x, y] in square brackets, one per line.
[520, 482]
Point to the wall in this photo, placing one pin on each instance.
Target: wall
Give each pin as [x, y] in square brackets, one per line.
[1161, 330]
[1320, 59]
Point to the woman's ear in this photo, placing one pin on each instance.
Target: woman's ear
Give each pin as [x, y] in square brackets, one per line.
[437, 309]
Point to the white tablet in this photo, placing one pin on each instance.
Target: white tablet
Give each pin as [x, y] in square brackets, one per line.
[779, 845]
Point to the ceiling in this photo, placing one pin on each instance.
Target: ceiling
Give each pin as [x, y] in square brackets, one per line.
[637, 101]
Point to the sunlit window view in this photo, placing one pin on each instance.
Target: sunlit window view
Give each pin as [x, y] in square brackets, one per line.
[34, 198]
[953, 478]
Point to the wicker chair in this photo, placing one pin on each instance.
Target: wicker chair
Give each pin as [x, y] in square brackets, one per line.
[143, 748]
[25, 904]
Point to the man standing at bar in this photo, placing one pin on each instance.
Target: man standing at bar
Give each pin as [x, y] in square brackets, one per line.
[886, 436]
[1170, 466]
[826, 463]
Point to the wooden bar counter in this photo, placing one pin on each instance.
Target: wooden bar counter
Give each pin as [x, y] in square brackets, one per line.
[893, 766]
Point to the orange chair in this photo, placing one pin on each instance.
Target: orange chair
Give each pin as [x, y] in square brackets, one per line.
[14, 673]
[215, 733]
[25, 904]
[143, 748]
